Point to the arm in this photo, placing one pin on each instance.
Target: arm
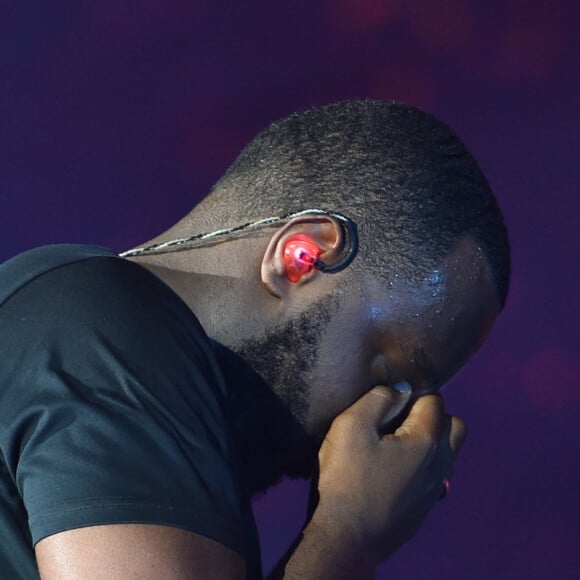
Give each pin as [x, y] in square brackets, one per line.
[374, 492]
[123, 425]
[122, 551]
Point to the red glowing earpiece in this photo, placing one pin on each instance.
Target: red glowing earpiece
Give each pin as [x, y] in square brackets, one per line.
[300, 257]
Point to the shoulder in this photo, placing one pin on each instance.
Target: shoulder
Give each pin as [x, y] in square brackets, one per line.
[113, 383]
[89, 285]
[25, 267]
[102, 319]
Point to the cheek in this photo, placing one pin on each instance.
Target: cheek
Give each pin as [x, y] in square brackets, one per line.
[339, 380]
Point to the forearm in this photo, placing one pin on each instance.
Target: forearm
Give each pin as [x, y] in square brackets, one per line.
[323, 552]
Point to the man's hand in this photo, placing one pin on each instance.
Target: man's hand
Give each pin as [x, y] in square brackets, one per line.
[374, 490]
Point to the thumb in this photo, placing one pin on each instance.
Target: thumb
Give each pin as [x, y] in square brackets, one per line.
[380, 405]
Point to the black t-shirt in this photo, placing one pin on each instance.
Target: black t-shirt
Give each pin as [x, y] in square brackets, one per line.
[112, 408]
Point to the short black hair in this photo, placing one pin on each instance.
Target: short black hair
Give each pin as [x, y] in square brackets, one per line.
[403, 176]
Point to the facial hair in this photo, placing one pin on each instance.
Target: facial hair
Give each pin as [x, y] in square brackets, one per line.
[268, 380]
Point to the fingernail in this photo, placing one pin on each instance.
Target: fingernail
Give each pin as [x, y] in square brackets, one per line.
[404, 388]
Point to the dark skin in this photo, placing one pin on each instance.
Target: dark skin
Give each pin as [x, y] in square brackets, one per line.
[373, 490]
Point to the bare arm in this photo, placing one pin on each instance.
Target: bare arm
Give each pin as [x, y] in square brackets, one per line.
[127, 551]
[374, 491]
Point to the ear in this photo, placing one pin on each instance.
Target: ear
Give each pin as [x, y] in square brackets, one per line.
[324, 231]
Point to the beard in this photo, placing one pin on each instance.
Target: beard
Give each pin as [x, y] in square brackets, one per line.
[269, 389]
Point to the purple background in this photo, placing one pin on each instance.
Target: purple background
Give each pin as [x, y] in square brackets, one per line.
[117, 116]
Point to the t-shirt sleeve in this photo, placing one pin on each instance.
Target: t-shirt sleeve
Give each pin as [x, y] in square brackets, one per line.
[112, 407]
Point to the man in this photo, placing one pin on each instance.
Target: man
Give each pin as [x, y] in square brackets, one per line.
[345, 268]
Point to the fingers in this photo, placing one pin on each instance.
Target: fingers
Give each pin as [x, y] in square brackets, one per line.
[425, 420]
[457, 435]
[428, 423]
[377, 407]
[453, 435]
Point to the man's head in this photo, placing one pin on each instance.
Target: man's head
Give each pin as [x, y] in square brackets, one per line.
[432, 239]
[404, 177]
[430, 276]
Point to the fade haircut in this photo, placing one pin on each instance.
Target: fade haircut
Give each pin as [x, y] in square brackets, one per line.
[404, 177]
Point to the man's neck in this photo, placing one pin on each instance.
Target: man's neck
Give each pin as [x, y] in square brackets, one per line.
[221, 284]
